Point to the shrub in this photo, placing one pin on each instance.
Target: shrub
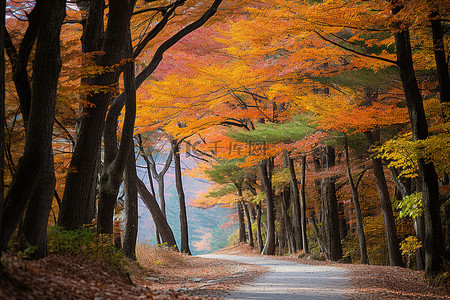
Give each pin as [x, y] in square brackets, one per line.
[85, 241]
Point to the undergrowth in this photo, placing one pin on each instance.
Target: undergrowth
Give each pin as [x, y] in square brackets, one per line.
[85, 241]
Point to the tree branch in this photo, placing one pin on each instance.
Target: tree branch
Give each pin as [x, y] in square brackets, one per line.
[356, 52]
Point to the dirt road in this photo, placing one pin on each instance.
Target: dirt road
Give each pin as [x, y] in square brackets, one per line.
[289, 280]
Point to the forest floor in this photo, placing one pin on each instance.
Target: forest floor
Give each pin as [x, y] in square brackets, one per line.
[163, 274]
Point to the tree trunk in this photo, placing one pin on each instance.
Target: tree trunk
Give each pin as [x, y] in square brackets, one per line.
[38, 210]
[358, 213]
[2, 104]
[269, 247]
[330, 223]
[290, 234]
[91, 206]
[38, 146]
[296, 210]
[116, 160]
[439, 55]
[303, 206]
[433, 243]
[161, 223]
[251, 243]
[241, 222]
[131, 207]
[82, 167]
[258, 228]
[184, 245]
[395, 257]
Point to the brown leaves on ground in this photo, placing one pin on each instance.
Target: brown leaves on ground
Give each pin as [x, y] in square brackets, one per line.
[69, 277]
[162, 274]
[174, 271]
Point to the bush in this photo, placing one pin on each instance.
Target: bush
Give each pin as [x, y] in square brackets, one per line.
[85, 241]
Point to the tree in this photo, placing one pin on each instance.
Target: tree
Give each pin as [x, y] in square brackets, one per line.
[38, 148]
[184, 244]
[161, 223]
[269, 247]
[433, 243]
[131, 207]
[358, 213]
[77, 192]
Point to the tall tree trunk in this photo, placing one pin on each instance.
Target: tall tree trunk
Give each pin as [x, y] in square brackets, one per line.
[358, 213]
[38, 146]
[290, 234]
[395, 257]
[330, 223]
[131, 207]
[434, 242]
[241, 222]
[269, 247]
[2, 104]
[116, 160]
[303, 206]
[184, 244]
[82, 167]
[251, 242]
[38, 210]
[91, 205]
[439, 56]
[258, 228]
[159, 219]
[296, 210]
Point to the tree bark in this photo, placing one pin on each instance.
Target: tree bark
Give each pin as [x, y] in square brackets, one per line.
[330, 222]
[296, 210]
[290, 234]
[251, 242]
[115, 160]
[2, 104]
[131, 207]
[161, 223]
[434, 242]
[269, 247]
[395, 257]
[358, 213]
[439, 56]
[184, 244]
[38, 210]
[241, 222]
[258, 228]
[82, 167]
[38, 146]
[303, 206]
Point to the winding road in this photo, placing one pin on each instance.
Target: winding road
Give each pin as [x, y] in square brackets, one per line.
[289, 280]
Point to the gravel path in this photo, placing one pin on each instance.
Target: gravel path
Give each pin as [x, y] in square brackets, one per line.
[289, 280]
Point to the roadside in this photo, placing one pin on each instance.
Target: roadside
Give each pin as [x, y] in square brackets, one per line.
[193, 275]
[367, 281]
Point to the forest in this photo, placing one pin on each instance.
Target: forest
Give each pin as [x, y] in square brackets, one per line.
[322, 124]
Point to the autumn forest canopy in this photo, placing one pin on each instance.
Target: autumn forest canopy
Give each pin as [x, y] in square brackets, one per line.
[323, 125]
